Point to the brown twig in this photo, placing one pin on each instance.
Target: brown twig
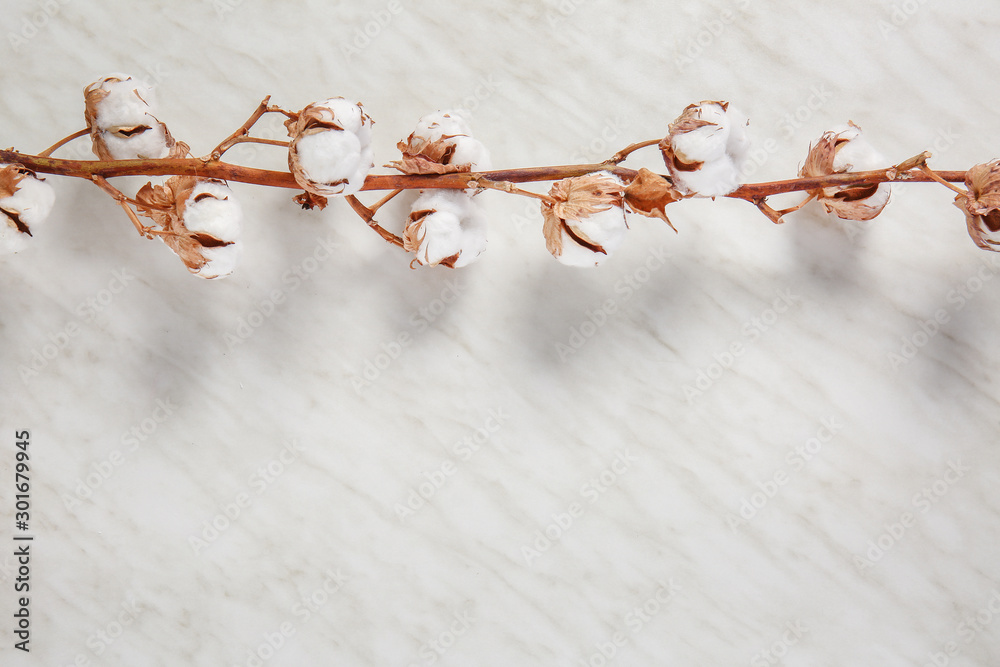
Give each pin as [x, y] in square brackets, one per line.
[620, 156]
[123, 201]
[65, 140]
[240, 135]
[368, 216]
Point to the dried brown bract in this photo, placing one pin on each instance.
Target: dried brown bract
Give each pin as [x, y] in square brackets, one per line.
[842, 150]
[198, 219]
[586, 222]
[982, 204]
[649, 194]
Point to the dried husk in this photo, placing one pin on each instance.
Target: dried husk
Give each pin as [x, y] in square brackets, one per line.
[846, 202]
[577, 199]
[165, 205]
[982, 204]
[649, 194]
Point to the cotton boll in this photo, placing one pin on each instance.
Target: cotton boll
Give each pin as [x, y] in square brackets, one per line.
[856, 154]
[330, 150]
[31, 202]
[707, 148]
[442, 143]
[606, 228]
[471, 152]
[446, 227]
[221, 261]
[435, 125]
[122, 100]
[334, 157]
[212, 209]
[120, 116]
[150, 143]
[584, 221]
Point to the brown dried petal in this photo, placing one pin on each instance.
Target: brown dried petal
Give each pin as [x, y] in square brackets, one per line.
[582, 196]
[421, 156]
[577, 199]
[649, 194]
[10, 176]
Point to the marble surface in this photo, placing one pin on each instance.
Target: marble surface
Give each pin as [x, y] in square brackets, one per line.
[739, 444]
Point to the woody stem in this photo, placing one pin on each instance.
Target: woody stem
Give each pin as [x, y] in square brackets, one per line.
[457, 181]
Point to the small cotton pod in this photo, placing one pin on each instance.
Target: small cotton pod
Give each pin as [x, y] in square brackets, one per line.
[981, 204]
[199, 219]
[586, 223]
[445, 227]
[442, 143]
[706, 149]
[844, 149]
[25, 201]
[330, 151]
[120, 114]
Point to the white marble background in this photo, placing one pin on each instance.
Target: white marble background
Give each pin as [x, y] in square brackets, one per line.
[313, 393]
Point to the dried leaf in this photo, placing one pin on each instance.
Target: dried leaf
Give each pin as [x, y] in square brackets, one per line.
[649, 194]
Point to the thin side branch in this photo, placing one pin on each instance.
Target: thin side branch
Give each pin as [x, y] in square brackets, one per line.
[62, 142]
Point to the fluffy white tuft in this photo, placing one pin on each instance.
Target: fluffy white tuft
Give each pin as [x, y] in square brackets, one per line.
[212, 209]
[722, 147]
[456, 226]
[32, 202]
[452, 126]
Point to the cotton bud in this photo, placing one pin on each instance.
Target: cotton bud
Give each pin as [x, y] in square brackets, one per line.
[706, 149]
[120, 116]
[587, 221]
[445, 227]
[330, 152]
[25, 201]
[199, 219]
[441, 143]
[982, 204]
[844, 149]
